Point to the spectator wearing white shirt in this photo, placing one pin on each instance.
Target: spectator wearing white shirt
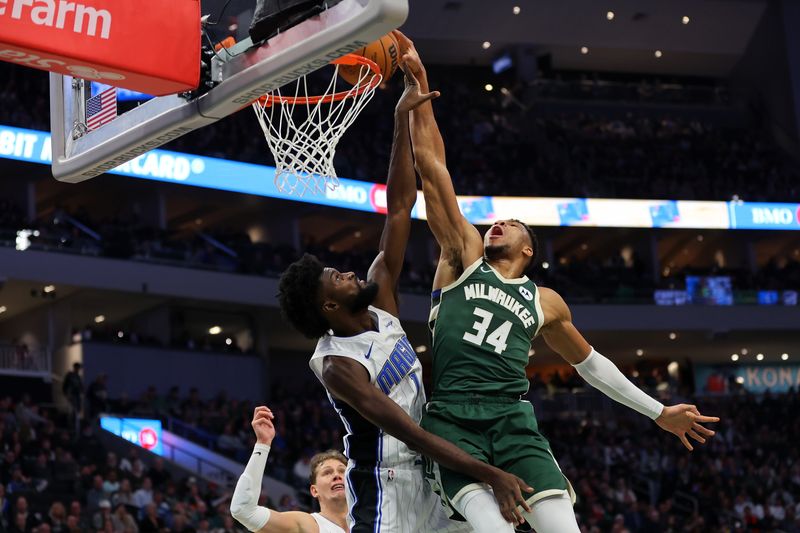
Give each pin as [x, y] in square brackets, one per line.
[144, 495]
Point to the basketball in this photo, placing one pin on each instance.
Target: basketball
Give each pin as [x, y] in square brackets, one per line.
[385, 52]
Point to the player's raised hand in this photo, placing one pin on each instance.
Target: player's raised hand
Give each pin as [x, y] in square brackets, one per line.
[262, 425]
[412, 96]
[508, 491]
[683, 420]
[408, 54]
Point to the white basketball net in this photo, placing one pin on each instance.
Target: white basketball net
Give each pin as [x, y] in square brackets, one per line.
[302, 135]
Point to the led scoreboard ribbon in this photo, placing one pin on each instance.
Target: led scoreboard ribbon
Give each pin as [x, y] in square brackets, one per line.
[214, 173]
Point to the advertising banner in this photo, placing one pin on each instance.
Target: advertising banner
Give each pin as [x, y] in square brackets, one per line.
[721, 379]
[142, 432]
[214, 173]
[152, 46]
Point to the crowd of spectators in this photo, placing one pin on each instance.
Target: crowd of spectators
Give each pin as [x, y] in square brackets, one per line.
[502, 144]
[53, 480]
[747, 478]
[628, 474]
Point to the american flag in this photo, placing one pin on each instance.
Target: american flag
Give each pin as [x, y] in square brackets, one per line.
[101, 108]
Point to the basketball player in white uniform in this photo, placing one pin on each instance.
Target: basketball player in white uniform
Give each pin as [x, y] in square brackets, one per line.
[327, 487]
[372, 374]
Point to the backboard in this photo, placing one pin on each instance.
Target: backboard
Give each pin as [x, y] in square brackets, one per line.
[241, 74]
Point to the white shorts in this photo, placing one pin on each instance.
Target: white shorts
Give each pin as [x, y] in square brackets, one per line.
[395, 500]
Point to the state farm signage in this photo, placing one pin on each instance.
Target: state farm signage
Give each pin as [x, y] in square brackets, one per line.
[150, 46]
[79, 18]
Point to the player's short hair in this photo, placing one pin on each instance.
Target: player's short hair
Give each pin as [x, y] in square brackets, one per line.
[320, 458]
[298, 296]
[534, 239]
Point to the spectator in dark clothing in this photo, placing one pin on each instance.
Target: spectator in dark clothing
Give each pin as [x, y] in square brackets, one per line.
[73, 390]
[97, 396]
[151, 522]
[158, 474]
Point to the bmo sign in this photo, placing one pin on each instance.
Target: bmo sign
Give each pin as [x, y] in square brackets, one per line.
[765, 216]
[142, 432]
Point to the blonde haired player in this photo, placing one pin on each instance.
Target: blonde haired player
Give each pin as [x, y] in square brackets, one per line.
[327, 487]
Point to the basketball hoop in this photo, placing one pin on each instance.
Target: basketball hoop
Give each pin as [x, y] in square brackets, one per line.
[302, 131]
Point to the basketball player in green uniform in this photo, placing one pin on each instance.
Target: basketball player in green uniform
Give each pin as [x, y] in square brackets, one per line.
[484, 314]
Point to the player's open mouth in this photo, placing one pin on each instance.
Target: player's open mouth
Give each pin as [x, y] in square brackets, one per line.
[496, 231]
[337, 487]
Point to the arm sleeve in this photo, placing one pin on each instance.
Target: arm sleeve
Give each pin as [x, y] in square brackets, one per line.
[604, 375]
[244, 503]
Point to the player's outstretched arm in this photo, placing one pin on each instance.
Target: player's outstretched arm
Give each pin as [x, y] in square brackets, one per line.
[401, 195]
[244, 504]
[460, 242]
[348, 380]
[564, 338]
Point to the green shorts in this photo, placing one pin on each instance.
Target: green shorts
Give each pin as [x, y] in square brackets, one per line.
[501, 431]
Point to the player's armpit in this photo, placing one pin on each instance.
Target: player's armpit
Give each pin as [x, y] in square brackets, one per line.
[289, 522]
[558, 331]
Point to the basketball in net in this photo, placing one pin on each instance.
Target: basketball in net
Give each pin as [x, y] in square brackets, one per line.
[303, 122]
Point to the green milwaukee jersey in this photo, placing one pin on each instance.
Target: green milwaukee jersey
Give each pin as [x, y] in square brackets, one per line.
[482, 326]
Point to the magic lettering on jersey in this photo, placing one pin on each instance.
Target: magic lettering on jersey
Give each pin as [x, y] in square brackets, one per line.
[399, 364]
[480, 291]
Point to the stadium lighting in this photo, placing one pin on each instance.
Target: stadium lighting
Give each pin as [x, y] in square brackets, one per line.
[658, 54]
[760, 357]
[99, 319]
[740, 380]
[120, 334]
[610, 15]
[673, 336]
[785, 357]
[228, 341]
[516, 10]
[584, 50]
[639, 352]
[735, 357]
[685, 20]
[489, 87]
[49, 288]
[545, 265]
[700, 238]
[421, 348]
[3, 309]
[486, 45]
[214, 330]
[744, 351]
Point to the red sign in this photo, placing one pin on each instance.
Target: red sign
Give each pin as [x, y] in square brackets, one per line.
[150, 46]
[148, 439]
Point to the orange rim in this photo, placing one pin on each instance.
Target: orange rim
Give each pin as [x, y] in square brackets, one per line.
[348, 59]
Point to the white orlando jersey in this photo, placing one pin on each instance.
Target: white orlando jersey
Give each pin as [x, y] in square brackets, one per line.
[325, 525]
[394, 369]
